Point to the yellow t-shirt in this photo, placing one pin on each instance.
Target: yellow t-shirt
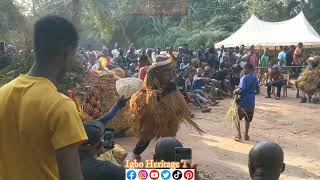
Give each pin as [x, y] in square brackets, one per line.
[35, 120]
[103, 62]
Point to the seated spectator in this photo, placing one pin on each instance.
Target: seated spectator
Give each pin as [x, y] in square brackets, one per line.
[184, 63]
[120, 60]
[235, 74]
[93, 169]
[208, 72]
[266, 161]
[275, 78]
[198, 82]
[132, 71]
[222, 83]
[210, 86]
[199, 86]
[131, 56]
[143, 66]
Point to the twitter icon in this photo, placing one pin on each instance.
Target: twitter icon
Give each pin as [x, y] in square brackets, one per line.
[165, 175]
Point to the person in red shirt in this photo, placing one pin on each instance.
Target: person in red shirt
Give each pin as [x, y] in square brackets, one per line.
[253, 58]
[143, 66]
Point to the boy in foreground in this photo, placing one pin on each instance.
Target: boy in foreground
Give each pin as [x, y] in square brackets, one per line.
[248, 88]
[41, 128]
[266, 161]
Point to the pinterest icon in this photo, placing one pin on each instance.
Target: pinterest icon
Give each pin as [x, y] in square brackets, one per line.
[188, 175]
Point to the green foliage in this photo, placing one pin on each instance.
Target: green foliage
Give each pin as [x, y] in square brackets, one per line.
[208, 21]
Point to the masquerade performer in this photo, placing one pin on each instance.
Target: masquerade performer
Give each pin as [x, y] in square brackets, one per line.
[158, 108]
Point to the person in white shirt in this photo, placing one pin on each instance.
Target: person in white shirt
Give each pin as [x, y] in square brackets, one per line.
[115, 52]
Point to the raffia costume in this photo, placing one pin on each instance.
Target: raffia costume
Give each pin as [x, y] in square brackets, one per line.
[158, 112]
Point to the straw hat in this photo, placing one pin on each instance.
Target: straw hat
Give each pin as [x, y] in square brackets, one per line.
[128, 86]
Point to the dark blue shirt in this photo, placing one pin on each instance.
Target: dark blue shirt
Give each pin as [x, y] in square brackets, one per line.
[198, 83]
[249, 86]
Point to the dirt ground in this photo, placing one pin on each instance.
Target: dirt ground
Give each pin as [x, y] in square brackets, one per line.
[296, 127]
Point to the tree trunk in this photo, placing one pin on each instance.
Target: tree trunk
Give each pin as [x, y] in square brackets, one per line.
[76, 12]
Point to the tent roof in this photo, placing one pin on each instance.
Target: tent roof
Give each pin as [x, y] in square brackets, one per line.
[272, 34]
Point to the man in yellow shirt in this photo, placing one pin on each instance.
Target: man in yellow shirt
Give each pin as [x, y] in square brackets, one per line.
[40, 129]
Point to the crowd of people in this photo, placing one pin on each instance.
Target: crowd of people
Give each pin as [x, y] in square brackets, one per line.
[207, 75]
[47, 144]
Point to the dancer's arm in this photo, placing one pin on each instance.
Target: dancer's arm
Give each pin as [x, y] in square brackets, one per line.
[113, 111]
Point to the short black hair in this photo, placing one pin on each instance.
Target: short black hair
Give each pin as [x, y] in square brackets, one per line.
[144, 58]
[51, 34]
[165, 149]
[248, 66]
[266, 157]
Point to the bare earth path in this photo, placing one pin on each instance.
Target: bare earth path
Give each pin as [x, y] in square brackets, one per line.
[296, 127]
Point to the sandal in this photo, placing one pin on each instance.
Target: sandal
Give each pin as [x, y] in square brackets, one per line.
[238, 139]
[214, 103]
[206, 110]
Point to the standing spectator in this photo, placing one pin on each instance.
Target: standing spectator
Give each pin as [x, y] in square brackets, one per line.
[289, 55]
[131, 56]
[44, 144]
[225, 64]
[265, 59]
[115, 52]
[231, 57]
[180, 55]
[298, 58]
[266, 161]
[298, 55]
[202, 55]
[235, 74]
[221, 54]
[253, 58]
[264, 64]
[236, 50]
[143, 66]
[212, 58]
[243, 56]
[282, 56]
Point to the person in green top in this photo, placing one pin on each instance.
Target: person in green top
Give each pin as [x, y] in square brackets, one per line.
[264, 64]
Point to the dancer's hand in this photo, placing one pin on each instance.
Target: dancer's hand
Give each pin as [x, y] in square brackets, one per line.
[236, 92]
[122, 102]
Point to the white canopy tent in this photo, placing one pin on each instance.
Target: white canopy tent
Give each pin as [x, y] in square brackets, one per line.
[274, 34]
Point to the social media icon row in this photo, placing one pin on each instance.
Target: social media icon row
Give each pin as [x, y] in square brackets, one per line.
[160, 174]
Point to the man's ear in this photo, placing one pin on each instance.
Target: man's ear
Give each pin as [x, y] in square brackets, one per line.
[283, 167]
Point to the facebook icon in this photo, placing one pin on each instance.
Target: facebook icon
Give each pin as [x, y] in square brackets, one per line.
[131, 175]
